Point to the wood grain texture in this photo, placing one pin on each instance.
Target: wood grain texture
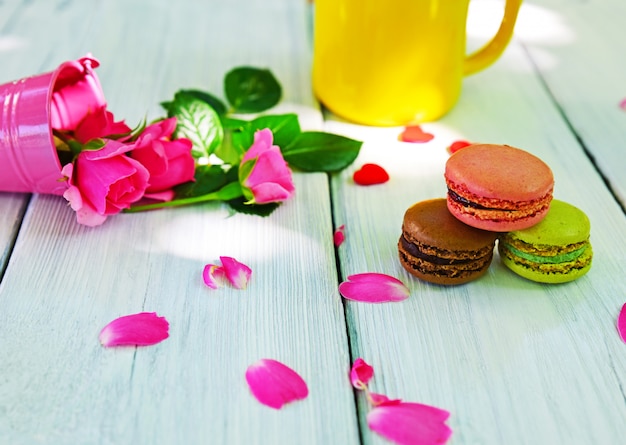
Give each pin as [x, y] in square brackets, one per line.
[579, 62]
[29, 45]
[65, 282]
[515, 362]
[12, 208]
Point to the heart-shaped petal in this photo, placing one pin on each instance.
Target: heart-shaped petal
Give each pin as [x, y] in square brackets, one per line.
[275, 384]
[457, 145]
[414, 133]
[370, 174]
[621, 323]
[373, 288]
[142, 329]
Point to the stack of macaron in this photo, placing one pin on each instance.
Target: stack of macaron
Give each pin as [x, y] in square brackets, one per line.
[495, 193]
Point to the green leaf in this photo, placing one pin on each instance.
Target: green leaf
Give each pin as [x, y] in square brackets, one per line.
[285, 128]
[93, 144]
[319, 151]
[197, 121]
[252, 209]
[167, 106]
[75, 146]
[232, 148]
[251, 90]
[230, 191]
[241, 140]
[244, 171]
[232, 123]
[229, 151]
[214, 102]
[208, 178]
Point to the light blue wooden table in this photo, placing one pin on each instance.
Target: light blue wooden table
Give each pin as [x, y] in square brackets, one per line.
[514, 362]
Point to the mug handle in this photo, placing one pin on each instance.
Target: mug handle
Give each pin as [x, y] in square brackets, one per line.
[489, 53]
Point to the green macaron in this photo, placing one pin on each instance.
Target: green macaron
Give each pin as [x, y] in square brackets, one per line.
[556, 250]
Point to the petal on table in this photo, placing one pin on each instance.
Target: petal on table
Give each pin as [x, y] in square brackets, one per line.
[370, 174]
[381, 399]
[237, 273]
[410, 423]
[458, 145]
[339, 235]
[373, 288]
[275, 384]
[414, 133]
[361, 373]
[621, 323]
[142, 329]
[213, 275]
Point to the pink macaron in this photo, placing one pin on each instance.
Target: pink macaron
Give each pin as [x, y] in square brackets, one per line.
[498, 187]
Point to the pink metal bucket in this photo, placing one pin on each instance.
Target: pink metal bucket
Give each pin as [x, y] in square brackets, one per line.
[29, 109]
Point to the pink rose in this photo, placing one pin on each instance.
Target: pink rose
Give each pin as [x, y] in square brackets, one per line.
[77, 92]
[169, 162]
[263, 172]
[104, 182]
[99, 124]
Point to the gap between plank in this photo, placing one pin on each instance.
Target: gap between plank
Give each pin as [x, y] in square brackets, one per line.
[17, 227]
[571, 128]
[340, 278]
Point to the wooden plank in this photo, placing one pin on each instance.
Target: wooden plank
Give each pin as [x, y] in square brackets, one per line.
[64, 281]
[13, 44]
[577, 54]
[515, 362]
[12, 208]
[212, 43]
[27, 47]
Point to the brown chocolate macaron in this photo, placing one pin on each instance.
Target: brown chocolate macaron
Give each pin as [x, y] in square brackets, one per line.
[437, 247]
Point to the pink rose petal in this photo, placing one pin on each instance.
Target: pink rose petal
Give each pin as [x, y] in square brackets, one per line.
[270, 178]
[414, 133]
[361, 373]
[410, 423]
[373, 288]
[99, 123]
[142, 329]
[213, 276]
[458, 145]
[622, 104]
[237, 273]
[370, 174]
[339, 236]
[164, 196]
[621, 323]
[274, 384]
[381, 399]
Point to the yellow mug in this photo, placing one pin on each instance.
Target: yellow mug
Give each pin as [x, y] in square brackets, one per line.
[396, 62]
